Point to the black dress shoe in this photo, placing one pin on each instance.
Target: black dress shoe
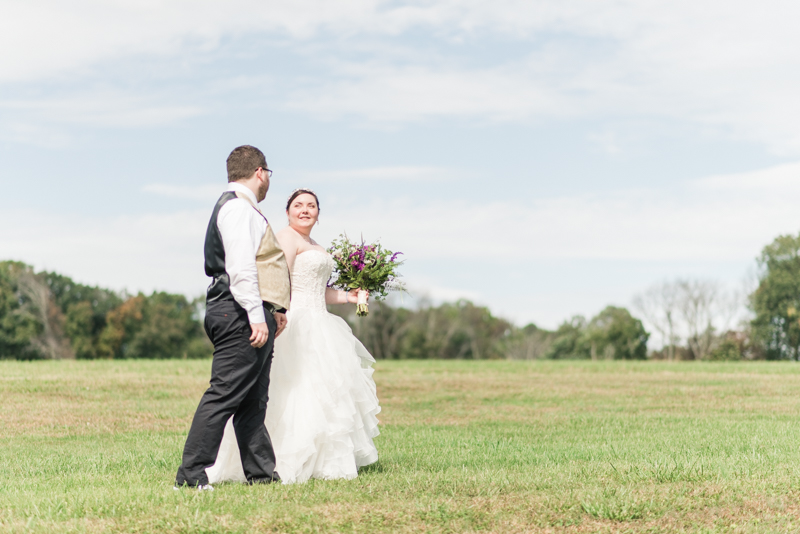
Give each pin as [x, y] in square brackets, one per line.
[266, 480]
[199, 487]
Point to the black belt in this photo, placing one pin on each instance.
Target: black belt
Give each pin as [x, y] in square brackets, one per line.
[270, 307]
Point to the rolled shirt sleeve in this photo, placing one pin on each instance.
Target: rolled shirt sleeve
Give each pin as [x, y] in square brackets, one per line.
[242, 229]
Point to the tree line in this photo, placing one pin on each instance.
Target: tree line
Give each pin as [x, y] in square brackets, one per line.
[44, 315]
[463, 330]
[695, 320]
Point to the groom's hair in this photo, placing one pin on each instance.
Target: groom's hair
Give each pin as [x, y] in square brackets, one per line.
[243, 162]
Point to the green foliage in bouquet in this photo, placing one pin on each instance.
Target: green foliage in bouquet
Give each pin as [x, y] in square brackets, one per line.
[366, 267]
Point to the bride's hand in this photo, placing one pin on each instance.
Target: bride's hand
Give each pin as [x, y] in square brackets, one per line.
[352, 296]
[280, 320]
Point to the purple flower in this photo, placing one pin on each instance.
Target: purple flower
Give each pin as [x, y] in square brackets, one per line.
[394, 256]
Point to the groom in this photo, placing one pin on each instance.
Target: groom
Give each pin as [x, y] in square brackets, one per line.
[245, 307]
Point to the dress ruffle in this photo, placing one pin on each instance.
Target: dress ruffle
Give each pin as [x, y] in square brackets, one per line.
[322, 416]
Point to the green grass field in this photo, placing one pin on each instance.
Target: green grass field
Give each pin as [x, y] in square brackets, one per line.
[465, 447]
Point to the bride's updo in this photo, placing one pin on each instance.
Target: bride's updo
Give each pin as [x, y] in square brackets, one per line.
[297, 192]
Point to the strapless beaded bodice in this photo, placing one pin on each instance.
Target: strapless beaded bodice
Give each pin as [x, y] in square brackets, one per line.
[312, 270]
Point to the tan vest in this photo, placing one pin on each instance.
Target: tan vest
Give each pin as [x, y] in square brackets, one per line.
[274, 281]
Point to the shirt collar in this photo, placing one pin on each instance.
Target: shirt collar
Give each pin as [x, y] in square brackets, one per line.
[239, 188]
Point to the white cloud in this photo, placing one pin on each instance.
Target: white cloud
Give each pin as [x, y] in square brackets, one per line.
[193, 192]
[211, 192]
[50, 37]
[709, 219]
[725, 65]
[398, 173]
[607, 142]
[782, 180]
[426, 288]
[137, 253]
[101, 108]
[720, 64]
[401, 94]
[715, 220]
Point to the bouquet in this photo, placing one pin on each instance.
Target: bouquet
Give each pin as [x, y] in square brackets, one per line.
[366, 268]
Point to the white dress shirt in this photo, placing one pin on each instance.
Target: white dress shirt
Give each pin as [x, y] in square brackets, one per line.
[242, 229]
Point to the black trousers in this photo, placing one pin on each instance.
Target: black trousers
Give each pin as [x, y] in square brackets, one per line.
[239, 387]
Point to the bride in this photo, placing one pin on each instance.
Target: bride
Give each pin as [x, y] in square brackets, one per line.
[322, 399]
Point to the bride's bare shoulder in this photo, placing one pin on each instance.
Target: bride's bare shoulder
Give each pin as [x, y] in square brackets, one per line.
[287, 238]
[288, 235]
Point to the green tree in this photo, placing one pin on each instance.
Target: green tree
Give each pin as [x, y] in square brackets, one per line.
[567, 340]
[79, 328]
[459, 330]
[731, 347]
[614, 335]
[86, 309]
[382, 331]
[122, 323]
[527, 343]
[17, 325]
[47, 315]
[776, 301]
[168, 328]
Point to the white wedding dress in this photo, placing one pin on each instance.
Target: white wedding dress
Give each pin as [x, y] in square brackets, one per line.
[322, 407]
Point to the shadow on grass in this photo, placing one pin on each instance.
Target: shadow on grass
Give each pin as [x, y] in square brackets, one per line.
[377, 467]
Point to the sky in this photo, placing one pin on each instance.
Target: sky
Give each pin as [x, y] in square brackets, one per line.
[542, 158]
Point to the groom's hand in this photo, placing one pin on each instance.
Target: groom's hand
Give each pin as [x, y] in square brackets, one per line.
[259, 335]
[280, 318]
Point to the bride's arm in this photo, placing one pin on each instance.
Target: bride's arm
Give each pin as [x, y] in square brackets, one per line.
[334, 296]
[288, 242]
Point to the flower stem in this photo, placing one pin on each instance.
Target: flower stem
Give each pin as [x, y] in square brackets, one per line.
[362, 308]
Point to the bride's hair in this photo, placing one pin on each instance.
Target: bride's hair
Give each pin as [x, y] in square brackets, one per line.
[297, 192]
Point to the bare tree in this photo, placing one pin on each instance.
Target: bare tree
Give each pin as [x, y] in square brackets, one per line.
[699, 304]
[659, 307]
[39, 302]
[694, 311]
[530, 344]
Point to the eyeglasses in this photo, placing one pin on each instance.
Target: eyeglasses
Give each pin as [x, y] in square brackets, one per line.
[269, 172]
